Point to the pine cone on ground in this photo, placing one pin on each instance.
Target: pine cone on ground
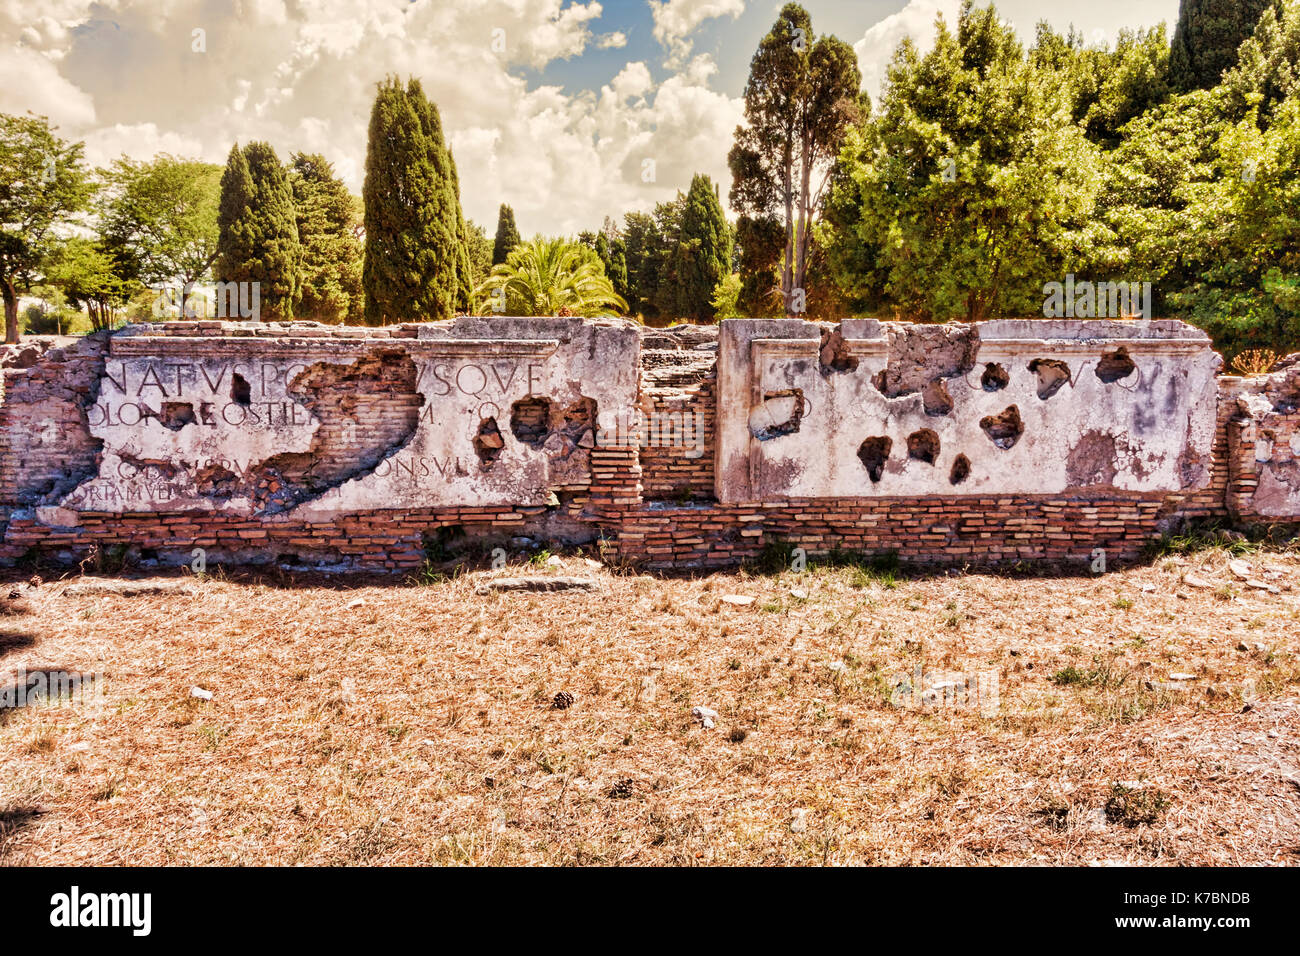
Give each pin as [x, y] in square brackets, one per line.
[563, 700]
[622, 789]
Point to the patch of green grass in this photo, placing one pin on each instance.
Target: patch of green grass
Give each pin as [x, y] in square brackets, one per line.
[1133, 806]
[1213, 534]
[1123, 604]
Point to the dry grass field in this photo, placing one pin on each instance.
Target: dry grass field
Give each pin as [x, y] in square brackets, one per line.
[1146, 716]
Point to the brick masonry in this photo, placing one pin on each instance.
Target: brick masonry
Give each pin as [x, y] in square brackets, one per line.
[644, 492]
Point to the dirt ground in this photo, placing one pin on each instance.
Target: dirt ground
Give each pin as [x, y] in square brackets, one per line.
[864, 716]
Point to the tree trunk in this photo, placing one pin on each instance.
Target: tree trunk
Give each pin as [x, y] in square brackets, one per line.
[805, 215]
[11, 311]
[787, 263]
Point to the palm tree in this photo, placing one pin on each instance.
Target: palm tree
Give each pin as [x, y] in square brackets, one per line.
[550, 277]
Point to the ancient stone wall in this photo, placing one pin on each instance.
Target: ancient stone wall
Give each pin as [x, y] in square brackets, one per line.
[339, 448]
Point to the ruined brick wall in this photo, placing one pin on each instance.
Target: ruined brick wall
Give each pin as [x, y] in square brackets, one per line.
[1263, 444]
[339, 448]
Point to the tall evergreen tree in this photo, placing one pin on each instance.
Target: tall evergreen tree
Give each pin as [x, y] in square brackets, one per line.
[331, 251]
[417, 262]
[702, 252]
[258, 229]
[1207, 37]
[801, 98]
[507, 235]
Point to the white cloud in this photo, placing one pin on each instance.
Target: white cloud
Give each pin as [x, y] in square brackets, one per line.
[612, 41]
[121, 75]
[916, 20]
[676, 20]
[31, 81]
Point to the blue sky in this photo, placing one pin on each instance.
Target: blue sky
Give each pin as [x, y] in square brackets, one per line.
[559, 121]
[731, 42]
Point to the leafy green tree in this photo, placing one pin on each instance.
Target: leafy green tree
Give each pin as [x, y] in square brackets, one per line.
[649, 240]
[970, 183]
[507, 236]
[258, 228]
[1106, 88]
[1157, 188]
[801, 97]
[1247, 291]
[1207, 37]
[613, 256]
[1268, 65]
[550, 277]
[158, 219]
[331, 252]
[417, 262]
[726, 297]
[480, 251]
[90, 277]
[760, 242]
[701, 253]
[610, 248]
[43, 184]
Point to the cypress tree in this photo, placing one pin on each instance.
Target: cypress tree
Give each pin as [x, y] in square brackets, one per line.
[331, 251]
[417, 260]
[257, 229]
[703, 251]
[1207, 37]
[507, 235]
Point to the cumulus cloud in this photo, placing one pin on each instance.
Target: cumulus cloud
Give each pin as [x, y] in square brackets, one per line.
[916, 20]
[676, 20]
[31, 81]
[124, 75]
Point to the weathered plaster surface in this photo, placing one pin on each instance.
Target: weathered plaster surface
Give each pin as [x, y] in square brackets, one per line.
[870, 408]
[309, 427]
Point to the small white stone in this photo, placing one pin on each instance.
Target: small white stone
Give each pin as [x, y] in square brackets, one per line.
[200, 693]
[739, 600]
[799, 821]
[706, 716]
[356, 602]
[1182, 677]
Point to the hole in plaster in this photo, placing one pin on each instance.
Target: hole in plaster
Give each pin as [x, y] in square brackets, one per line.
[920, 354]
[995, 377]
[1113, 366]
[960, 470]
[530, 420]
[1052, 374]
[874, 452]
[240, 391]
[779, 414]
[936, 399]
[835, 355]
[176, 415]
[923, 445]
[1005, 428]
[488, 441]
